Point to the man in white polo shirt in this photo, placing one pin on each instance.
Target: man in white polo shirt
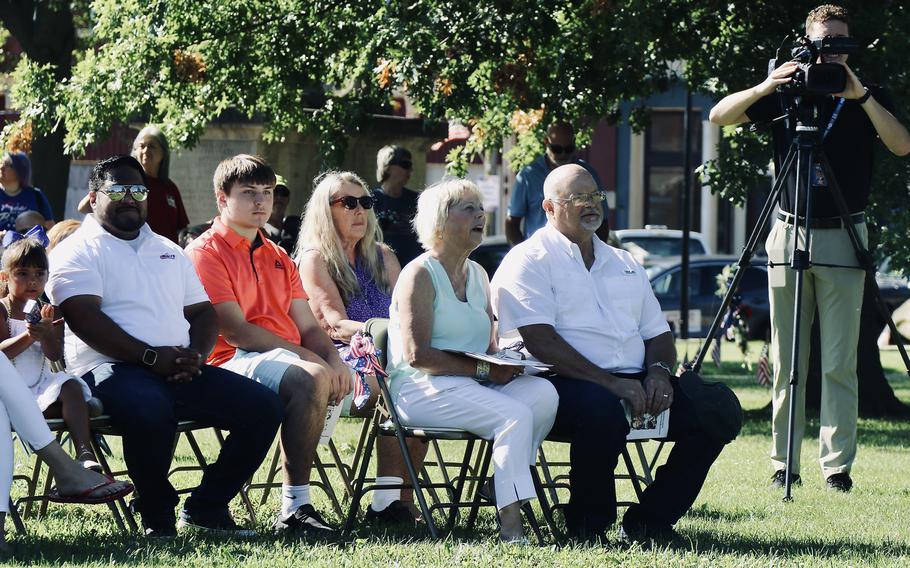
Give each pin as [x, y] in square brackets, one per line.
[139, 327]
[588, 309]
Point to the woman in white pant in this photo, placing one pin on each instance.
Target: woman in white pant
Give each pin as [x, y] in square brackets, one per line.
[74, 483]
[441, 301]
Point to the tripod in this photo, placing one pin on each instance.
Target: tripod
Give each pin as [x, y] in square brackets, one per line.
[805, 151]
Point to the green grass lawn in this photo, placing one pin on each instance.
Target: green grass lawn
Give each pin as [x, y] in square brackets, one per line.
[738, 519]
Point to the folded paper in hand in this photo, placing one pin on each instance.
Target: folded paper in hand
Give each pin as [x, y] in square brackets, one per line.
[647, 426]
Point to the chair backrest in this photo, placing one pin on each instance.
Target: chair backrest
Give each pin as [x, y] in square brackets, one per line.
[379, 329]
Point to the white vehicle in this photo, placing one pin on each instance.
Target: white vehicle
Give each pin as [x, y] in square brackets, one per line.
[652, 243]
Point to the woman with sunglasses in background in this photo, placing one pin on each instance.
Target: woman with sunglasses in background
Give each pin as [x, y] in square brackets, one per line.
[396, 205]
[348, 274]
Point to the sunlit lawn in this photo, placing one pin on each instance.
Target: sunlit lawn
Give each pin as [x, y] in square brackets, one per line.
[738, 519]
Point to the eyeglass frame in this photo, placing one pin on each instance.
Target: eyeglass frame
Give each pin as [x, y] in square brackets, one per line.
[126, 189]
[595, 198]
[362, 201]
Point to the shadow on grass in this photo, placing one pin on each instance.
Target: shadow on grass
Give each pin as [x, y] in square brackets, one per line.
[705, 541]
[708, 514]
[878, 432]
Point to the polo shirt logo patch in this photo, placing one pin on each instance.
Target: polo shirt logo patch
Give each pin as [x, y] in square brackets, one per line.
[278, 265]
[167, 256]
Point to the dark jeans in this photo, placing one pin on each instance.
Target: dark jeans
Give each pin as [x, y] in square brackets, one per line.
[145, 409]
[593, 420]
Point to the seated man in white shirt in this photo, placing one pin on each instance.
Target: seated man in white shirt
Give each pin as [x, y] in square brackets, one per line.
[588, 309]
[139, 327]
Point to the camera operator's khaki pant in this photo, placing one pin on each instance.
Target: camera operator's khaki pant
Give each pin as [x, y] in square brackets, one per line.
[838, 294]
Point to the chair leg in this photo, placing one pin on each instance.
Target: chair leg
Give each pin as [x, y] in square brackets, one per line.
[486, 450]
[545, 506]
[33, 486]
[633, 475]
[273, 472]
[548, 477]
[17, 520]
[121, 503]
[327, 485]
[460, 482]
[359, 482]
[344, 470]
[403, 446]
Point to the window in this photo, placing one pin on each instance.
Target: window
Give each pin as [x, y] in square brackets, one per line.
[664, 160]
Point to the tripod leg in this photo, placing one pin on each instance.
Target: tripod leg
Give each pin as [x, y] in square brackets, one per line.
[745, 258]
[799, 262]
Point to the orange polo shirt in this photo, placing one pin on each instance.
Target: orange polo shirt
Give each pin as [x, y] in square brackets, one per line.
[263, 280]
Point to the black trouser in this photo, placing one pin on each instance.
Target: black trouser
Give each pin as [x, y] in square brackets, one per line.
[145, 409]
[593, 420]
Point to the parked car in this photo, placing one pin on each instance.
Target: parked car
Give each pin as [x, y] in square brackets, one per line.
[703, 299]
[651, 244]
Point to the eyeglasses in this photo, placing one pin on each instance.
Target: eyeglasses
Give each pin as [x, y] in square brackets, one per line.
[350, 202]
[118, 191]
[557, 149]
[582, 199]
[406, 164]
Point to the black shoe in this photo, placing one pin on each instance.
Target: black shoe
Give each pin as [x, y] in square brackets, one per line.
[159, 530]
[636, 529]
[216, 524]
[397, 513]
[305, 521]
[779, 479]
[840, 482]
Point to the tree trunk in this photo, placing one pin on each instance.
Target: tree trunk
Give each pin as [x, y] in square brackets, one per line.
[876, 397]
[46, 32]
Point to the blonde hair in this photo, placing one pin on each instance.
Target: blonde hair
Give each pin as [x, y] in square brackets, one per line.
[433, 208]
[61, 230]
[318, 232]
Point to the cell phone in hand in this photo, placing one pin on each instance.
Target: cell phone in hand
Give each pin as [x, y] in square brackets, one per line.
[32, 310]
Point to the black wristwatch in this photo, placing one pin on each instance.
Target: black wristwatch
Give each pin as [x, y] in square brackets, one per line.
[865, 97]
[149, 357]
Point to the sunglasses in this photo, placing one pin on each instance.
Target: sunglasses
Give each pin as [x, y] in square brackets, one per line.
[350, 202]
[406, 164]
[118, 191]
[557, 149]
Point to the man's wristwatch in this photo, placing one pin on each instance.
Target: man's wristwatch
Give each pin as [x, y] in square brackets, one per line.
[865, 97]
[663, 366]
[483, 371]
[149, 357]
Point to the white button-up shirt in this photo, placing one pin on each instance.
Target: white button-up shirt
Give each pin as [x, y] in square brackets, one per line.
[143, 289]
[605, 313]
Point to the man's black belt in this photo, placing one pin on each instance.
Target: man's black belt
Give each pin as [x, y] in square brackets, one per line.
[821, 222]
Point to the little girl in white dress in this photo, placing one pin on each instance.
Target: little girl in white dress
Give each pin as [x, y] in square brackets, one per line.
[30, 344]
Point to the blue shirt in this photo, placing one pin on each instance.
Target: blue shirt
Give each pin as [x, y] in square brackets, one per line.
[527, 196]
[29, 199]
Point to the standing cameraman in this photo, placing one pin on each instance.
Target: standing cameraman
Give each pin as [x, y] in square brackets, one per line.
[850, 122]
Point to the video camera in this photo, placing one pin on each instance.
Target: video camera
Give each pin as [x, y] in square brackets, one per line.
[811, 77]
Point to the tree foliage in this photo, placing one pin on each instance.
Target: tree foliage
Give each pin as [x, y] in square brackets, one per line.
[321, 66]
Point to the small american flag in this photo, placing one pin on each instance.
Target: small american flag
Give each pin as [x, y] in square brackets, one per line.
[715, 351]
[763, 369]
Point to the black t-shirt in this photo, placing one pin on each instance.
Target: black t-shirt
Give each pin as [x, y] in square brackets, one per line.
[395, 215]
[849, 146]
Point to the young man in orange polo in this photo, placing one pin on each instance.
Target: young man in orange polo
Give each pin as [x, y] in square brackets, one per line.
[267, 331]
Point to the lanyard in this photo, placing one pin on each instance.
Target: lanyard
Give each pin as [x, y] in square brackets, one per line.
[834, 115]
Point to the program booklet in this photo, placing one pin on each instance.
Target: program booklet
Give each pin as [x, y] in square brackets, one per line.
[504, 357]
[647, 426]
[332, 413]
